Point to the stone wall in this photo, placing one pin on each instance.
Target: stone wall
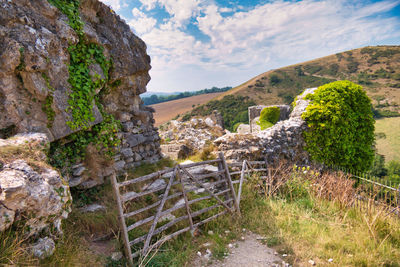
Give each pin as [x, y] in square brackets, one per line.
[34, 63]
[283, 140]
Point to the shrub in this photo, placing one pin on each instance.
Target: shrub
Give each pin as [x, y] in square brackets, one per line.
[341, 126]
[274, 79]
[268, 117]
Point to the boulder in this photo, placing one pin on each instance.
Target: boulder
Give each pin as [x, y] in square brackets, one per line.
[39, 198]
[43, 248]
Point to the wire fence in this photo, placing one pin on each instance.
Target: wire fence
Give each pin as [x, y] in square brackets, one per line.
[372, 190]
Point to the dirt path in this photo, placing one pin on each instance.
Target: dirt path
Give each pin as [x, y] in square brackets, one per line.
[244, 253]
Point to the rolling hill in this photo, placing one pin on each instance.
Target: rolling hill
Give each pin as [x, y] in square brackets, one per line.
[376, 68]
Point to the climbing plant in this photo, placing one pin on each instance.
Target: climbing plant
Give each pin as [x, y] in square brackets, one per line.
[341, 126]
[84, 85]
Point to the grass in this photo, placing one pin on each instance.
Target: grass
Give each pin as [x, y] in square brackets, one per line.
[306, 226]
[300, 221]
[390, 145]
[308, 218]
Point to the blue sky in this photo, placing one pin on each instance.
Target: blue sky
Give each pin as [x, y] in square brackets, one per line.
[197, 44]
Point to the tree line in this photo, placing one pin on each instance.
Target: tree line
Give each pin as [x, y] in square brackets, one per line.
[155, 99]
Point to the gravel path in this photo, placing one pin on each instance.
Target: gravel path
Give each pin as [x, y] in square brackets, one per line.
[250, 252]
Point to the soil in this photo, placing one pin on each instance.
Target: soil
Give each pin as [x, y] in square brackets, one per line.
[244, 253]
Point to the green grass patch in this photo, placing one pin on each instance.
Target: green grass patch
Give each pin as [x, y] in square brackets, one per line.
[390, 145]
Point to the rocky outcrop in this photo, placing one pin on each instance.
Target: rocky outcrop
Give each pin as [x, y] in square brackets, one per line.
[283, 140]
[31, 192]
[35, 85]
[183, 138]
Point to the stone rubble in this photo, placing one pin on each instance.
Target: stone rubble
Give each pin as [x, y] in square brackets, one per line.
[182, 139]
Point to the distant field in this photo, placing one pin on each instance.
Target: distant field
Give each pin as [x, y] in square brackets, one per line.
[168, 110]
[389, 146]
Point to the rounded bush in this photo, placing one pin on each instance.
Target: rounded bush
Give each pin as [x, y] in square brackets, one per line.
[341, 126]
[270, 114]
[268, 117]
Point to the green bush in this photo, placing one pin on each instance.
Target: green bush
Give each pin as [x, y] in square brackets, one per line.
[268, 117]
[341, 126]
[274, 79]
[265, 124]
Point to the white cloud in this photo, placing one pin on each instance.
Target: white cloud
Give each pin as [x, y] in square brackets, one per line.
[148, 4]
[115, 4]
[180, 11]
[140, 23]
[253, 40]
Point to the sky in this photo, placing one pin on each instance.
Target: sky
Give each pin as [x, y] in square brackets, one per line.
[197, 44]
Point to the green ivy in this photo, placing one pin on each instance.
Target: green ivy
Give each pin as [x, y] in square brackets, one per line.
[70, 8]
[82, 98]
[83, 85]
[341, 126]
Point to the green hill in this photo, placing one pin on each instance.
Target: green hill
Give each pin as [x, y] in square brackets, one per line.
[376, 68]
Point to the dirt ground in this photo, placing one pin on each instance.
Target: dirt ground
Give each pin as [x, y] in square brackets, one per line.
[244, 253]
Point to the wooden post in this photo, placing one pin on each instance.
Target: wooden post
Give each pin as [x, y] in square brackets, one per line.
[186, 201]
[121, 220]
[244, 168]
[229, 180]
[159, 210]
[220, 168]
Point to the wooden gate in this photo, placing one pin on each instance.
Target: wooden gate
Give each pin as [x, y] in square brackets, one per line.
[150, 214]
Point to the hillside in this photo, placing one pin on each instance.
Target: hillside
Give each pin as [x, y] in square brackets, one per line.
[376, 68]
[168, 110]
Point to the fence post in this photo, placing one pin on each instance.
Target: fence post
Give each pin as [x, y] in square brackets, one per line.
[220, 168]
[229, 180]
[125, 236]
[244, 169]
[179, 178]
[398, 201]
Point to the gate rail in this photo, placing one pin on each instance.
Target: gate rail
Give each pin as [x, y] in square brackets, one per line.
[181, 183]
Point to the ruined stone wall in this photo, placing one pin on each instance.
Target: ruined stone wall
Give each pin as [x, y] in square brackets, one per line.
[255, 111]
[34, 61]
[284, 140]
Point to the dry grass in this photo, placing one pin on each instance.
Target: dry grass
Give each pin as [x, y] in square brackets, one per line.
[311, 217]
[32, 153]
[168, 110]
[389, 146]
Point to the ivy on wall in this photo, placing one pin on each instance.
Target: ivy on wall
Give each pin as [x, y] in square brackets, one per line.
[81, 100]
